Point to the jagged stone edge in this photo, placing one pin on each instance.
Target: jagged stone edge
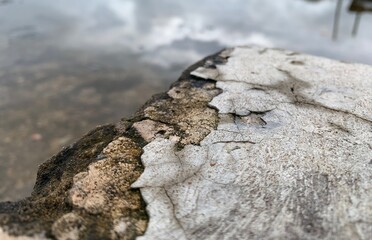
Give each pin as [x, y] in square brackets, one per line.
[35, 215]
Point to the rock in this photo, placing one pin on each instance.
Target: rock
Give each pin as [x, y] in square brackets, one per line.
[84, 192]
[248, 143]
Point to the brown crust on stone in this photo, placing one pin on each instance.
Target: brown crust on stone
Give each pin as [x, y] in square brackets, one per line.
[85, 189]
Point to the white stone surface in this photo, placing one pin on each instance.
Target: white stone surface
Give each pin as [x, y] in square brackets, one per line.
[291, 157]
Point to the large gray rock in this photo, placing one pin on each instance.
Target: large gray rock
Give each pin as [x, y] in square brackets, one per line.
[250, 143]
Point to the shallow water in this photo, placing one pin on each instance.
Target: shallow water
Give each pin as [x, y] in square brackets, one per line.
[67, 66]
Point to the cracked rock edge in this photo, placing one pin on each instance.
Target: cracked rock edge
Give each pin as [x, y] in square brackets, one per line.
[290, 157]
[84, 191]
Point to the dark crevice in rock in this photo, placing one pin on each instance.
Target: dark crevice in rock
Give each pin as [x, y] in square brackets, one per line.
[339, 127]
[297, 62]
[235, 141]
[315, 104]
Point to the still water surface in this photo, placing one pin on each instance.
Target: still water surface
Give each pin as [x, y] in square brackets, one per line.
[67, 66]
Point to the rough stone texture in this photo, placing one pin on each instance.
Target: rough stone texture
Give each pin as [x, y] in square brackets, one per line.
[84, 192]
[290, 158]
[250, 143]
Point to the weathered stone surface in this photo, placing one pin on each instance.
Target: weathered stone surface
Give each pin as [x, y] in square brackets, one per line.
[249, 143]
[290, 158]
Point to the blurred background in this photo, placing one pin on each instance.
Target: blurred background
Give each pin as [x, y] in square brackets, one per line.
[67, 66]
